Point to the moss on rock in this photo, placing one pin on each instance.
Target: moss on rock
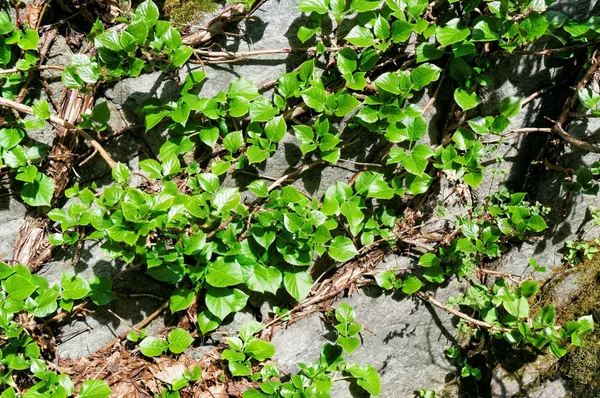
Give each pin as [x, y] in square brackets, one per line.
[187, 11]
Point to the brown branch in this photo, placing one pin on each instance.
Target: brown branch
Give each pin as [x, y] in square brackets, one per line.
[473, 321]
[38, 67]
[6, 103]
[139, 326]
[245, 54]
[575, 141]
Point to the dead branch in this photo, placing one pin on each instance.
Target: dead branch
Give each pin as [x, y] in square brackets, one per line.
[461, 315]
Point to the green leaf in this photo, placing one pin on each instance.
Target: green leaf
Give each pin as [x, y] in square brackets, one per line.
[346, 103]
[466, 100]
[518, 307]
[483, 31]
[29, 41]
[428, 260]
[385, 279]
[297, 283]
[233, 141]
[242, 87]
[39, 192]
[27, 173]
[473, 179]
[261, 110]
[381, 28]
[9, 138]
[528, 288]
[6, 25]
[120, 173]
[262, 279]
[347, 61]
[256, 155]
[428, 52]
[449, 35]
[207, 322]
[74, 287]
[363, 5]
[349, 344]
[275, 129]
[315, 98]
[148, 11]
[342, 249]
[179, 340]
[411, 285]
[366, 377]
[389, 82]
[588, 97]
[318, 6]
[259, 349]
[181, 55]
[41, 110]
[226, 199]
[401, 31]
[424, 74]
[70, 79]
[360, 36]
[209, 136]
[94, 389]
[305, 33]
[238, 107]
[290, 194]
[181, 299]
[345, 313]
[510, 106]
[152, 167]
[153, 347]
[537, 224]
[557, 350]
[222, 274]
[259, 188]
[223, 301]
[18, 287]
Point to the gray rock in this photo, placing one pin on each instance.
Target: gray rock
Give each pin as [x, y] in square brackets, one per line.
[553, 389]
[12, 214]
[506, 383]
[404, 339]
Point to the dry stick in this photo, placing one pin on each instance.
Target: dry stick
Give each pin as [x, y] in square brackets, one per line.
[434, 302]
[245, 54]
[38, 67]
[139, 326]
[6, 103]
[570, 103]
[234, 13]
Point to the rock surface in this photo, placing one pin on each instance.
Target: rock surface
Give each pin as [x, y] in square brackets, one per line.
[403, 338]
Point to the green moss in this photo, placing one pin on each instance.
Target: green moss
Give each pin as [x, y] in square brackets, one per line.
[580, 367]
[187, 11]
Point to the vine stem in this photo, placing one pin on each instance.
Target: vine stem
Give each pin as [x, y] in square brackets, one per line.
[139, 326]
[244, 54]
[38, 67]
[6, 103]
[477, 322]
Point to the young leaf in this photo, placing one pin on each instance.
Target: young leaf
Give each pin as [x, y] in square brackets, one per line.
[179, 340]
[297, 283]
[342, 249]
[153, 347]
[466, 100]
[94, 389]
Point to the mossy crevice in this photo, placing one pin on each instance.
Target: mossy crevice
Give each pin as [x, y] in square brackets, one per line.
[188, 11]
[580, 367]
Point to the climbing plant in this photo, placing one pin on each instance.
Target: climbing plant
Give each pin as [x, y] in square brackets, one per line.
[217, 244]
